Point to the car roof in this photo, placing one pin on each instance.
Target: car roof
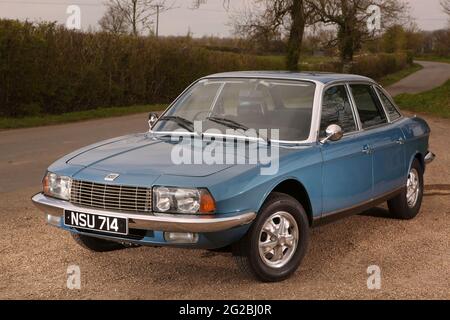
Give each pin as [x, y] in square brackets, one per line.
[322, 77]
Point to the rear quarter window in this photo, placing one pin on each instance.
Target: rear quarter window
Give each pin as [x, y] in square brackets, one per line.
[391, 110]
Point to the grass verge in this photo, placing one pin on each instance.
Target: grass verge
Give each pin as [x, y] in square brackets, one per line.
[433, 59]
[44, 120]
[397, 76]
[435, 102]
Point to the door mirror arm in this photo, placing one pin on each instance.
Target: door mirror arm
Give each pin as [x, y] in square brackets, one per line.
[334, 133]
[152, 119]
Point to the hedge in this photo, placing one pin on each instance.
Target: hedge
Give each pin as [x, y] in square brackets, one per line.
[47, 69]
[372, 66]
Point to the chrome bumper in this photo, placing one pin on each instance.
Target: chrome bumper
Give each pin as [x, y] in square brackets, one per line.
[429, 158]
[150, 221]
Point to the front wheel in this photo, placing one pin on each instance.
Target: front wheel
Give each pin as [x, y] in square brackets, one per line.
[407, 204]
[275, 245]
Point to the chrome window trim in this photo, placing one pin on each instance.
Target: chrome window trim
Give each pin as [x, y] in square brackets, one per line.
[374, 88]
[216, 98]
[389, 97]
[317, 105]
[174, 133]
[237, 137]
[355, 108]
[313, 134]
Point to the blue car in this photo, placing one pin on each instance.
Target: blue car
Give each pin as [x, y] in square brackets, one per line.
[249, 161]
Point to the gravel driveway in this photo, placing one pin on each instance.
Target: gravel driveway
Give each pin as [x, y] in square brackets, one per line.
[414, 256]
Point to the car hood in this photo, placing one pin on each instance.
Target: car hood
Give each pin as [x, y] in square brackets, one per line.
[139, 154]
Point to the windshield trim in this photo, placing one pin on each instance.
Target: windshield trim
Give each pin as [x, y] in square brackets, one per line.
[315, 120]
[223, 135]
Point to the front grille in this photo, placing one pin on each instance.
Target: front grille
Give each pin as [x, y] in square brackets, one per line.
[122, 198]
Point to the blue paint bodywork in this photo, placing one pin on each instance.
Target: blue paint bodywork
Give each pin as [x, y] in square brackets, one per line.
[335, 175]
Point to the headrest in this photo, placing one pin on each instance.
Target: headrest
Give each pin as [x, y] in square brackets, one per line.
[250, 102]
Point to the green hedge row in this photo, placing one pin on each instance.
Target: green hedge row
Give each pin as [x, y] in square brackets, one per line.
[372, 66]
[46, 69]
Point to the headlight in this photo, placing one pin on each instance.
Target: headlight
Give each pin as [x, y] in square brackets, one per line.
[57, 186]
[181, 200]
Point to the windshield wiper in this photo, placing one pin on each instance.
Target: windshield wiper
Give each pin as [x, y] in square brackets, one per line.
[234, 125]
[228, 123]
[182, 122]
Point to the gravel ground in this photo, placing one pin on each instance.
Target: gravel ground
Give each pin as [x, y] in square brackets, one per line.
[414, 256]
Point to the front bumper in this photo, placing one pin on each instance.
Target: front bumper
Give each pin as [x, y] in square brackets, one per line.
[150, 221]
[429, 158]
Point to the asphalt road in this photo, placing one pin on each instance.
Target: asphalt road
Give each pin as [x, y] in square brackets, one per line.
[414, 256]
[433, 74]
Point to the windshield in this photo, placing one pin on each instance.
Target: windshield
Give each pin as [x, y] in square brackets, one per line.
[242, 104]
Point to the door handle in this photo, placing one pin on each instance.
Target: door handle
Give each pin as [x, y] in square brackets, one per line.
[400, 141]
[367, 149]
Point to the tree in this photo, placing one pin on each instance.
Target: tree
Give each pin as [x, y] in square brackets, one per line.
[136, 14]
[268, 20]
[271, 19]
[441, 42]
[113, 21]
[198, 3]
[414, 38]
[446, 6]
[394, 39]
[351, 19]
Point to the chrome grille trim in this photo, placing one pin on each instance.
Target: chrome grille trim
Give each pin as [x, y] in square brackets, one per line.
[111, 197]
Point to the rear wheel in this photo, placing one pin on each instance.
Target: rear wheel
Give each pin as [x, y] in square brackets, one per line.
[96, 244]
[275, 245]
[407, 204]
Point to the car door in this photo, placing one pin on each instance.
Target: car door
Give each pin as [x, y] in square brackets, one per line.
[347, 163]
[385, 140]
[389, 163]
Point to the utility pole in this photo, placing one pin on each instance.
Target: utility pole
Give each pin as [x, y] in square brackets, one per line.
[158, 6]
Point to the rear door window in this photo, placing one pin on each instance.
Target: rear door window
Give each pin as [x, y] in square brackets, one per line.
[369, 107]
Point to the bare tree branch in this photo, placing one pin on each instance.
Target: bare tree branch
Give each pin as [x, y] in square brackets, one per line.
[137, 14]
[196, 4]
[350, 18]
[113, 21]
[446, 6]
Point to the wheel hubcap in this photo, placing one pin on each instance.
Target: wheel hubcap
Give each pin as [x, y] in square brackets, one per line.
[278, 239]
[412, 188]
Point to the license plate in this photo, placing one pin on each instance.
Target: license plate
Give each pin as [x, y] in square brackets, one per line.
[96, 222]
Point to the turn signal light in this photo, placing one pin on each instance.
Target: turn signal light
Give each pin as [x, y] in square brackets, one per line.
[207, 203]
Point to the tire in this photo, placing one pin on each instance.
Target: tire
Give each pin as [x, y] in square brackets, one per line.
[96, 244]
[267, 267]
[402, 207]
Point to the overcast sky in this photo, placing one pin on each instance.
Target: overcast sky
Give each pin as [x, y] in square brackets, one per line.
[211, 19]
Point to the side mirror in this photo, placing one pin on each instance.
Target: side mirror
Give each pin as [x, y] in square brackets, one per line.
[152, 119]
[334, 133]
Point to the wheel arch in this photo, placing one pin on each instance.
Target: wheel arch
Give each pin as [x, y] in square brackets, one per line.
[297, 190]
[419, 157]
